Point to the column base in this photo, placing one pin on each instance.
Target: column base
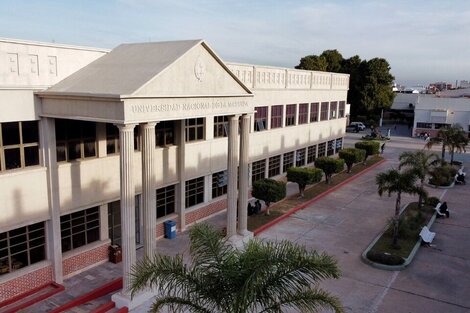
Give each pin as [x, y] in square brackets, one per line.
[124, 300]
[239, 240]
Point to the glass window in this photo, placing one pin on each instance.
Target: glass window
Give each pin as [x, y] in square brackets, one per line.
[276, 116]
[80, 228]
[165, 201]
[333, 107]
[194, 129]
[321, 149]
[165, 133]
[311, 154]
[274, 166]
[75, 139]
[324, 111]
[261, 118]
[194, 191]
[339, 144]
[219, 184]
[22, 247]
[288, 161]
[330, 148]
[300, 157]
[441, 125]
[112, 139]
[290, 114]
[220, 126]
[424, 125]
[19, 145]
[258, 170]
[303, 113]
[314, 112]
[341, 110]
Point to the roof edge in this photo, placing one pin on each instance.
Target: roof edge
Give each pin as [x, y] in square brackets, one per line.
[52, 45]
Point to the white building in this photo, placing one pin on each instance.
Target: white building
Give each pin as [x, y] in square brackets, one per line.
[148, 124]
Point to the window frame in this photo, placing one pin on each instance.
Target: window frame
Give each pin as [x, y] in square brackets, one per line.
[303, 113]
[342, 109]
[165, 200]
[89, 216]
[81, 140]
[333, 109]
[324, 111]
[166, 131]
[220, 126]
[219, 184]
[274, 166]
[261, 118]
[258, 170]
[197, 185]
[300, 157]
[276, 116]
[21, 146]
[311, 154]
[314, 112]
[321, 148]
[287, 161]
[197, 127]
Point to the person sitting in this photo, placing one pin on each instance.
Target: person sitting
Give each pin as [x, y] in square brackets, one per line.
[460, 178]
[257, 207]
[251, 209]
[444, 210]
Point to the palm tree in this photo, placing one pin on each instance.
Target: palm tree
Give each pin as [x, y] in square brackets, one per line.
[453, 138]
[263, 277]
[420, 163]
[394, 181]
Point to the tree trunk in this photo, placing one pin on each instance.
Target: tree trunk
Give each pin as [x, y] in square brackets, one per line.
[267, 208]
[420, 198]
[301, 191]
[396, 220]
[451, 156]
[349, 168]
[443, 151]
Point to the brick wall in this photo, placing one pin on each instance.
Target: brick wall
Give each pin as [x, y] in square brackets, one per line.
[206, 211]
[80, 261]
[25, 283]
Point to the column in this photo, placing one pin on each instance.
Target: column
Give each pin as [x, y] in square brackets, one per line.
[243, 175]
[149, 203]
[182, 177]
[232, 164]
[126, 142]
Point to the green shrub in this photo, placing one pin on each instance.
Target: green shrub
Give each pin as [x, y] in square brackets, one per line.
[384, 258]
[304, 176]
[371, 147]
[269, 190]
[443, 175]
[351, 156]
[329, 166]
[432, 201]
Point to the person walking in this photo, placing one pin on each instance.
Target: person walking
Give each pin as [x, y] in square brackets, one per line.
[382, 148]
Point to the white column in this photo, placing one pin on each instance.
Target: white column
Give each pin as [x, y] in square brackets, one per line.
[243, 175]
[104, 226]
[126, 142]
[232, 163]
[182, 177]
[50, 162]
[149, 203]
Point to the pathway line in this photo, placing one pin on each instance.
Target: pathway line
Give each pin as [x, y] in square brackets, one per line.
[381, 297]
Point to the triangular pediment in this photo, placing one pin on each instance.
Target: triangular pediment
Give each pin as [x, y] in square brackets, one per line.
[197, 73]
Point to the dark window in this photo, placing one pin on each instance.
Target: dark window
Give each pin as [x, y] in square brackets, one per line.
[165, 201]
[137, 139]
[341, 110]
[276, 116]
[339, 144]
[19, 145]
[290, 114]
[424, 125]
[114, 221]
[324, 111]
[300, 157]
[112, 139]
[311, 154]
[258, 170]
[261, 118]
[333, 107]
[288, 161]
[165, 133]
[303, 113]
[220, 126]
[194, 191]
[194, 129]
[75, 139]
[330, 148]
[80, 228]
[441, 125]
[321, 149]
[21, 247]
[219, 184]
[314, 112]
[274, 166]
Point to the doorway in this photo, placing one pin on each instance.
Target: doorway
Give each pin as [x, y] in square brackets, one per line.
[114, 222]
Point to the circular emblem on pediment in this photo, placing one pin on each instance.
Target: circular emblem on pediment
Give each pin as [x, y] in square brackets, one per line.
[199, 69]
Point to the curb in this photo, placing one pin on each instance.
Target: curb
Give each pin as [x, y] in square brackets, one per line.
[318, 197]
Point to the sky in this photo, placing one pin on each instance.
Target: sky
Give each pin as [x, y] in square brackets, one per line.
[423, 40]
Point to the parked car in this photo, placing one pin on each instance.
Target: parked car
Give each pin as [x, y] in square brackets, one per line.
[360, 125]
[352, 128]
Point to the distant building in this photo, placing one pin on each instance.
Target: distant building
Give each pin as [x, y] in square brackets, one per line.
[464, 84]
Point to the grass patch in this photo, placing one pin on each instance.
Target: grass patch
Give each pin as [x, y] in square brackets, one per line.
[281, 207]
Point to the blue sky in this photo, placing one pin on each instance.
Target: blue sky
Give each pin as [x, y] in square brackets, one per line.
[424, 41]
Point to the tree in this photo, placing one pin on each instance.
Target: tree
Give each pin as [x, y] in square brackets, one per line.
[453, 138]
[262, 277]
[351, 156]
[329, 166]
[269, 190]
[333, 59]
[394, 181]
[371, 148]
[420, 163]
[304, 176]
[312, 63]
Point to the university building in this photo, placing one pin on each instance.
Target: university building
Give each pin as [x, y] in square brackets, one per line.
[101, 147]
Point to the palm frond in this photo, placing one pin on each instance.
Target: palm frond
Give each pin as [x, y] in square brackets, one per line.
[177, 304]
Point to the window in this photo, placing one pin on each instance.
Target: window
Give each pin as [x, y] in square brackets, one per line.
[75, 139]
[300, 157]
[324, 111]
[424, 125]
[261, 118]
[274, 166]
[137, 138]
[303, 113]
[112, 139]
[311, 154]
[339, 144]
[288, 161]
[165, 201]
[321, 149]
[114, 221]
[22, 247]
[19, 145]
[194, 191]
[80, 228]
[441, 125]
[333, 107]
[314, 112]
[276, 116]
[165, 134]
[220, 126]
[194, 129]
[342, 105]
[290, 114]
[219, 184]
[330, 148]
[258, 170]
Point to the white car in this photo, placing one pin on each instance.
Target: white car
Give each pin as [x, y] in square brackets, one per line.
[359, 125]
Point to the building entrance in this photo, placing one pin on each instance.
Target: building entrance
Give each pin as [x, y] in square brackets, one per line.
[114, 222]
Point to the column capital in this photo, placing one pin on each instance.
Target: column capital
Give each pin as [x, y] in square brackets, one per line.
[126, 127]
[235, 116]
[148, 125]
